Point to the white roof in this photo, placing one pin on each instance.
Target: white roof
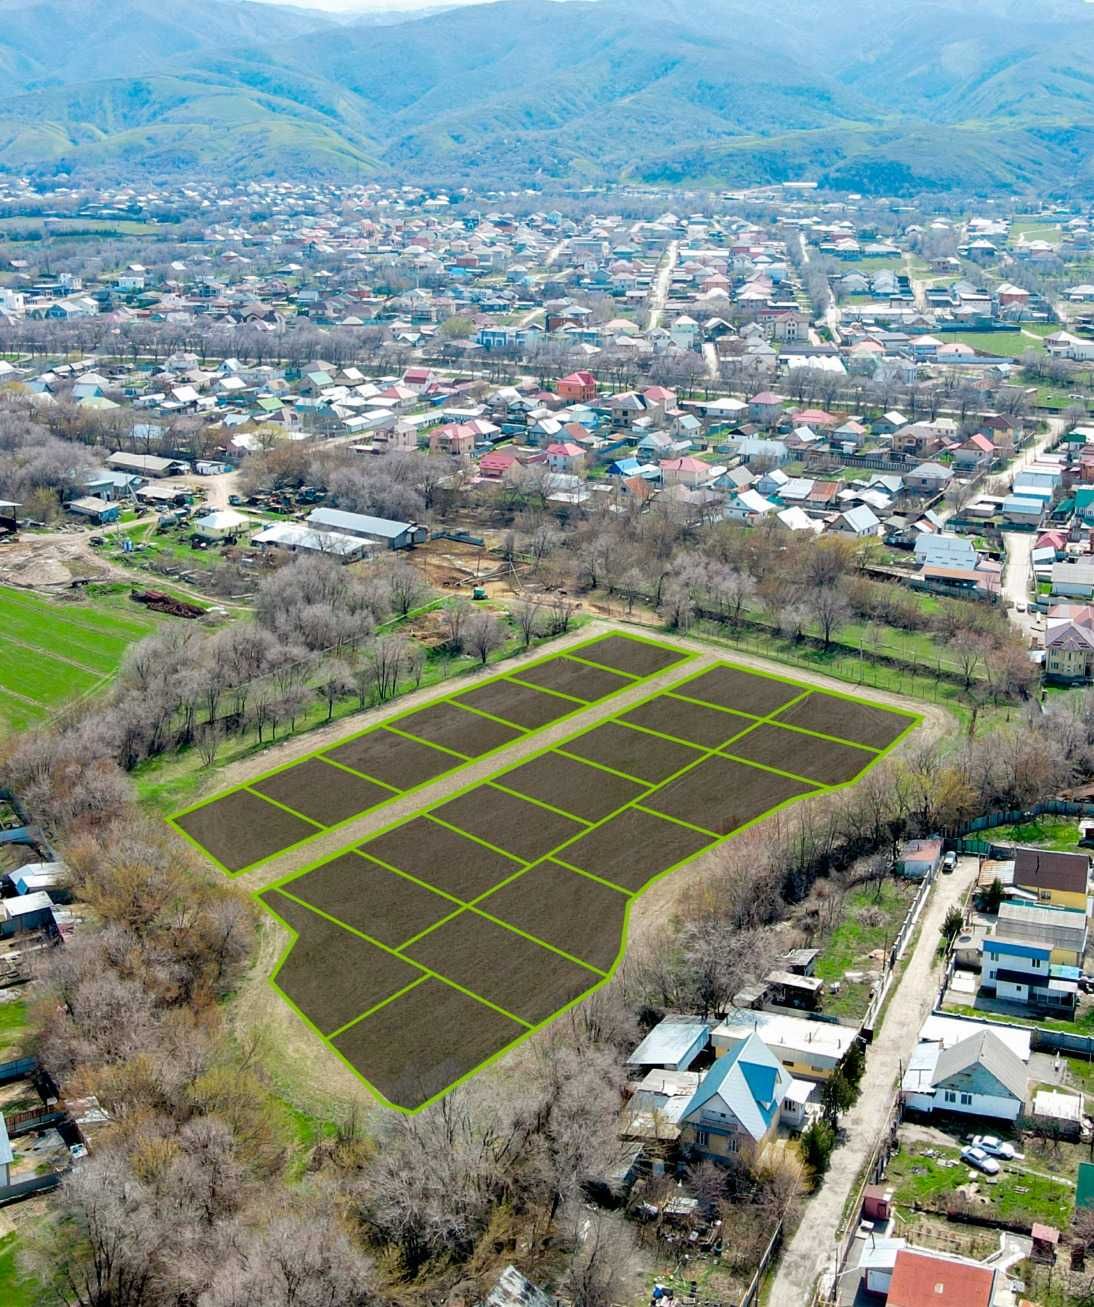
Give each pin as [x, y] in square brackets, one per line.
[777, 1030]
[952, 1030]
[296, 536]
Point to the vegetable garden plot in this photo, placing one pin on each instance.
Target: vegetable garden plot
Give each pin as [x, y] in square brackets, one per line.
[488, 913]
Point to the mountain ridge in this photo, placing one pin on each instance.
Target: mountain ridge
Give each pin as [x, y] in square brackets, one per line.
[533, 90]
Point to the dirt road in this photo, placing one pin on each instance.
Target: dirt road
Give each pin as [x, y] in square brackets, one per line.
[660, 291]
[810, 1254]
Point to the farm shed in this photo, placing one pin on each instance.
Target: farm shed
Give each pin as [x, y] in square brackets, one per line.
[148, 465]
[27, 912]
[96, 510]
[381, 530]
[295, 538]
[221, 524]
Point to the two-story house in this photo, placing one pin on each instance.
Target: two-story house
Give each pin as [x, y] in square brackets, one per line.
[1059, 879]
[1017, 971]
[734, 1114]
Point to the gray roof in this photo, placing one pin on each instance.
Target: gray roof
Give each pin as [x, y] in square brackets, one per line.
[986, 1050]
[1060, 927]
[382, 527]
[670, 1041]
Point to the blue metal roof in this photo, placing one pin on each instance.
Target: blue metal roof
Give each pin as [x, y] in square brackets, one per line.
[1006, 947]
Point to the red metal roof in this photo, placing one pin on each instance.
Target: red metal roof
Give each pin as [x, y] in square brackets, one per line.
[923, 1281]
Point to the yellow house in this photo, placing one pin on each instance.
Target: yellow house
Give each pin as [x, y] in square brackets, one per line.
[734, 1113]
[809, 1050]
[1059, 880]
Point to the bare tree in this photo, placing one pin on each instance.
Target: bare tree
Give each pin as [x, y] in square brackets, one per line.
[482, 634]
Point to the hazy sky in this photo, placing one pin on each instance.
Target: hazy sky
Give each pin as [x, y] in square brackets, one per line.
[363, 6]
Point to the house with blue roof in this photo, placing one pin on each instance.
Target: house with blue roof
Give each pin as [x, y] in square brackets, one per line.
[734, 1113]
[1023, 973]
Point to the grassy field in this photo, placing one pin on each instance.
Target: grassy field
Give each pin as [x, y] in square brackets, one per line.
[16, 1290]
[13, 1024]
[1011, 344]
[1035, 229]
[1058, 834]
[52, 652]
[1017, 1195]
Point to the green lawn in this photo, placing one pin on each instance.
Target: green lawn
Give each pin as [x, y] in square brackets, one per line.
[1011, 344]
[1082, 1025]
[1059, 834]
[52, 651]
[16, 1290]
[1017, 1195]
[13, 1024]
[1035, 229]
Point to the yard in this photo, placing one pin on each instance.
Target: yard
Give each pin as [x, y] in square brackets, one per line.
[54, 651]
[1060, 834]
[871, 918]
[929, 1176]
[1012, 344]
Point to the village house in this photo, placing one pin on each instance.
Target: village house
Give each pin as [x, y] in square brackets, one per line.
[734, 1113]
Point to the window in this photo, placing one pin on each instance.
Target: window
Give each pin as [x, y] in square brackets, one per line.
[966, 1100]
[702, 1139]
[732, 1144]
[951, 1097]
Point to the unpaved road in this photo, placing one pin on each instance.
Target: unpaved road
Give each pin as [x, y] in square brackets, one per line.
[811, 1252]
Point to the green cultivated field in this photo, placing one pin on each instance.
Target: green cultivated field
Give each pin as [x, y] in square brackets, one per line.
[53, 651]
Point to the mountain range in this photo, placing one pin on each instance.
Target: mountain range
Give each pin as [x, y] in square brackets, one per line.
[883, 96]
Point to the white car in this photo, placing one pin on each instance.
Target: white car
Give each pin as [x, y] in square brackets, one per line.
[976, 1157]
[995, 1147]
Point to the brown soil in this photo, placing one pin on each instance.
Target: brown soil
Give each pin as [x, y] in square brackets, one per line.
[626, 655]
[857, 722]
[805, 755]
[633, 847]
[721, 795]
[572, 786]
[441, 857]
[456, 728]
[509, 823]
[423, 1041]
[370, 898]
[728, 687]
[393, 759]
[517, 704]
[324, 793]
[332, 975]
[570, 677]
[637, 753]
[562, 908]
[243, 828]
[689, 722]
[506, 968]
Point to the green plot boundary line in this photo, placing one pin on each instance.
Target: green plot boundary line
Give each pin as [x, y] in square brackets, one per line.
[557, 855]
[682, 656]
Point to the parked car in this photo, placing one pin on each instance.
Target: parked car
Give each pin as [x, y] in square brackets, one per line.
[949, 862]
[995, 1147]
[977, 1158]
[1020, 606]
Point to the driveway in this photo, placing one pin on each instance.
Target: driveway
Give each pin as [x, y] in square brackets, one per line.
[812, 1251]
